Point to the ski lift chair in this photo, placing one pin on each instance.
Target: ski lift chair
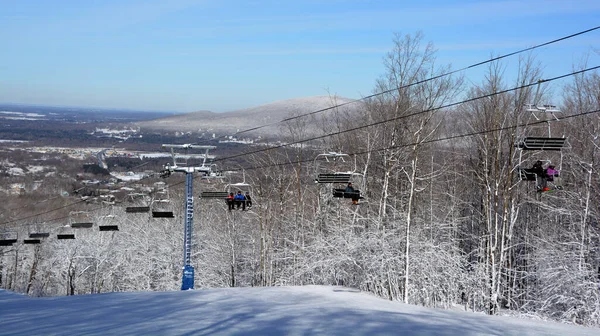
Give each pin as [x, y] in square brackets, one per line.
[36, 237]
[161, 206]
[539, 143]
[242, 187]
[218, 176]
[328, 168]
[214, 194]
[527, 175]
[141, 205]
[108, 223]
[162, 209]
[80, 220]
[549, 182]
[65, 233]
[342, 193]
[8, 238]
[542, 143]
[221, 195]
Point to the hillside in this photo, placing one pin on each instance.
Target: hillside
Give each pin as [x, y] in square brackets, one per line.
[233, 121]
[306, 310]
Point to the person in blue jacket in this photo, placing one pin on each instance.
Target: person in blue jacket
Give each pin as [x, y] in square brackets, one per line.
[240, 200]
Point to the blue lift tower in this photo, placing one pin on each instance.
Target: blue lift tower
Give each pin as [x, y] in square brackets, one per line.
[189, 164]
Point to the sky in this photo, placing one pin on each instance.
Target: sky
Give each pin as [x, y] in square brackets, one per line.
[306, 310]
[190, 55]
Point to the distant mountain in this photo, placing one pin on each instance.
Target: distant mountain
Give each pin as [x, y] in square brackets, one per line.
[231, 122]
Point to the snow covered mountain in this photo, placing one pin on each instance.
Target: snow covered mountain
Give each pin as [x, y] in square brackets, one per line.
[230, 122]
[306, 310]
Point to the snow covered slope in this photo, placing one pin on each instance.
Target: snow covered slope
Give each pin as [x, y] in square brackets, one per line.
[234, 121]
[307, 310]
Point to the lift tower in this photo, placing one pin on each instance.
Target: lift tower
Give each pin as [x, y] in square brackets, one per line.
[181, 163]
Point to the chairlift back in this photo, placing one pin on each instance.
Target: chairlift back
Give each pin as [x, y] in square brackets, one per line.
[37, 235]
[332, 167]
[540, 143]
[214, 194]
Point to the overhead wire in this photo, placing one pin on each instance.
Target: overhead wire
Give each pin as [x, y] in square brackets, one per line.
[452, 137]
[375, 95]
[493, 59]
[350, 130]
[406, 116]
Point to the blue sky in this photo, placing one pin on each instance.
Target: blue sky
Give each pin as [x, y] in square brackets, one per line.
[224, 55]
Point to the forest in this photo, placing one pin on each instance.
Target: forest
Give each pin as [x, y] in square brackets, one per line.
[446, 218]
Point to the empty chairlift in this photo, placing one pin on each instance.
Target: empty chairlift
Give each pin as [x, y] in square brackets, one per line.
[218, 191]
[108, 223]
[36, 237]
[80, 220]
[65, 233]
[8, 238]
[139, 204]
[162, 206]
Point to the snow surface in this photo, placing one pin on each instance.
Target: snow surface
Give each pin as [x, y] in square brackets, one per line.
[306, 310]
[258, 116]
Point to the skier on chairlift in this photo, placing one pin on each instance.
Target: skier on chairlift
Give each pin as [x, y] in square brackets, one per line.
[240, 200]
[551, 172]
[540, 173]
[230, 201]
[248, 200]
[352, 192]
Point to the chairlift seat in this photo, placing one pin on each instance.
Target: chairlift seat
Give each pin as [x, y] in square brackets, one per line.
[342, 193]
[163, 214]
[334, 178]
[39, 235]
[65, 236]
[214, 194]
[137, 209]
[83, 225]
[538, 143]
[527, 175]
[108, 228]
[7, 242]
[31, 241]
